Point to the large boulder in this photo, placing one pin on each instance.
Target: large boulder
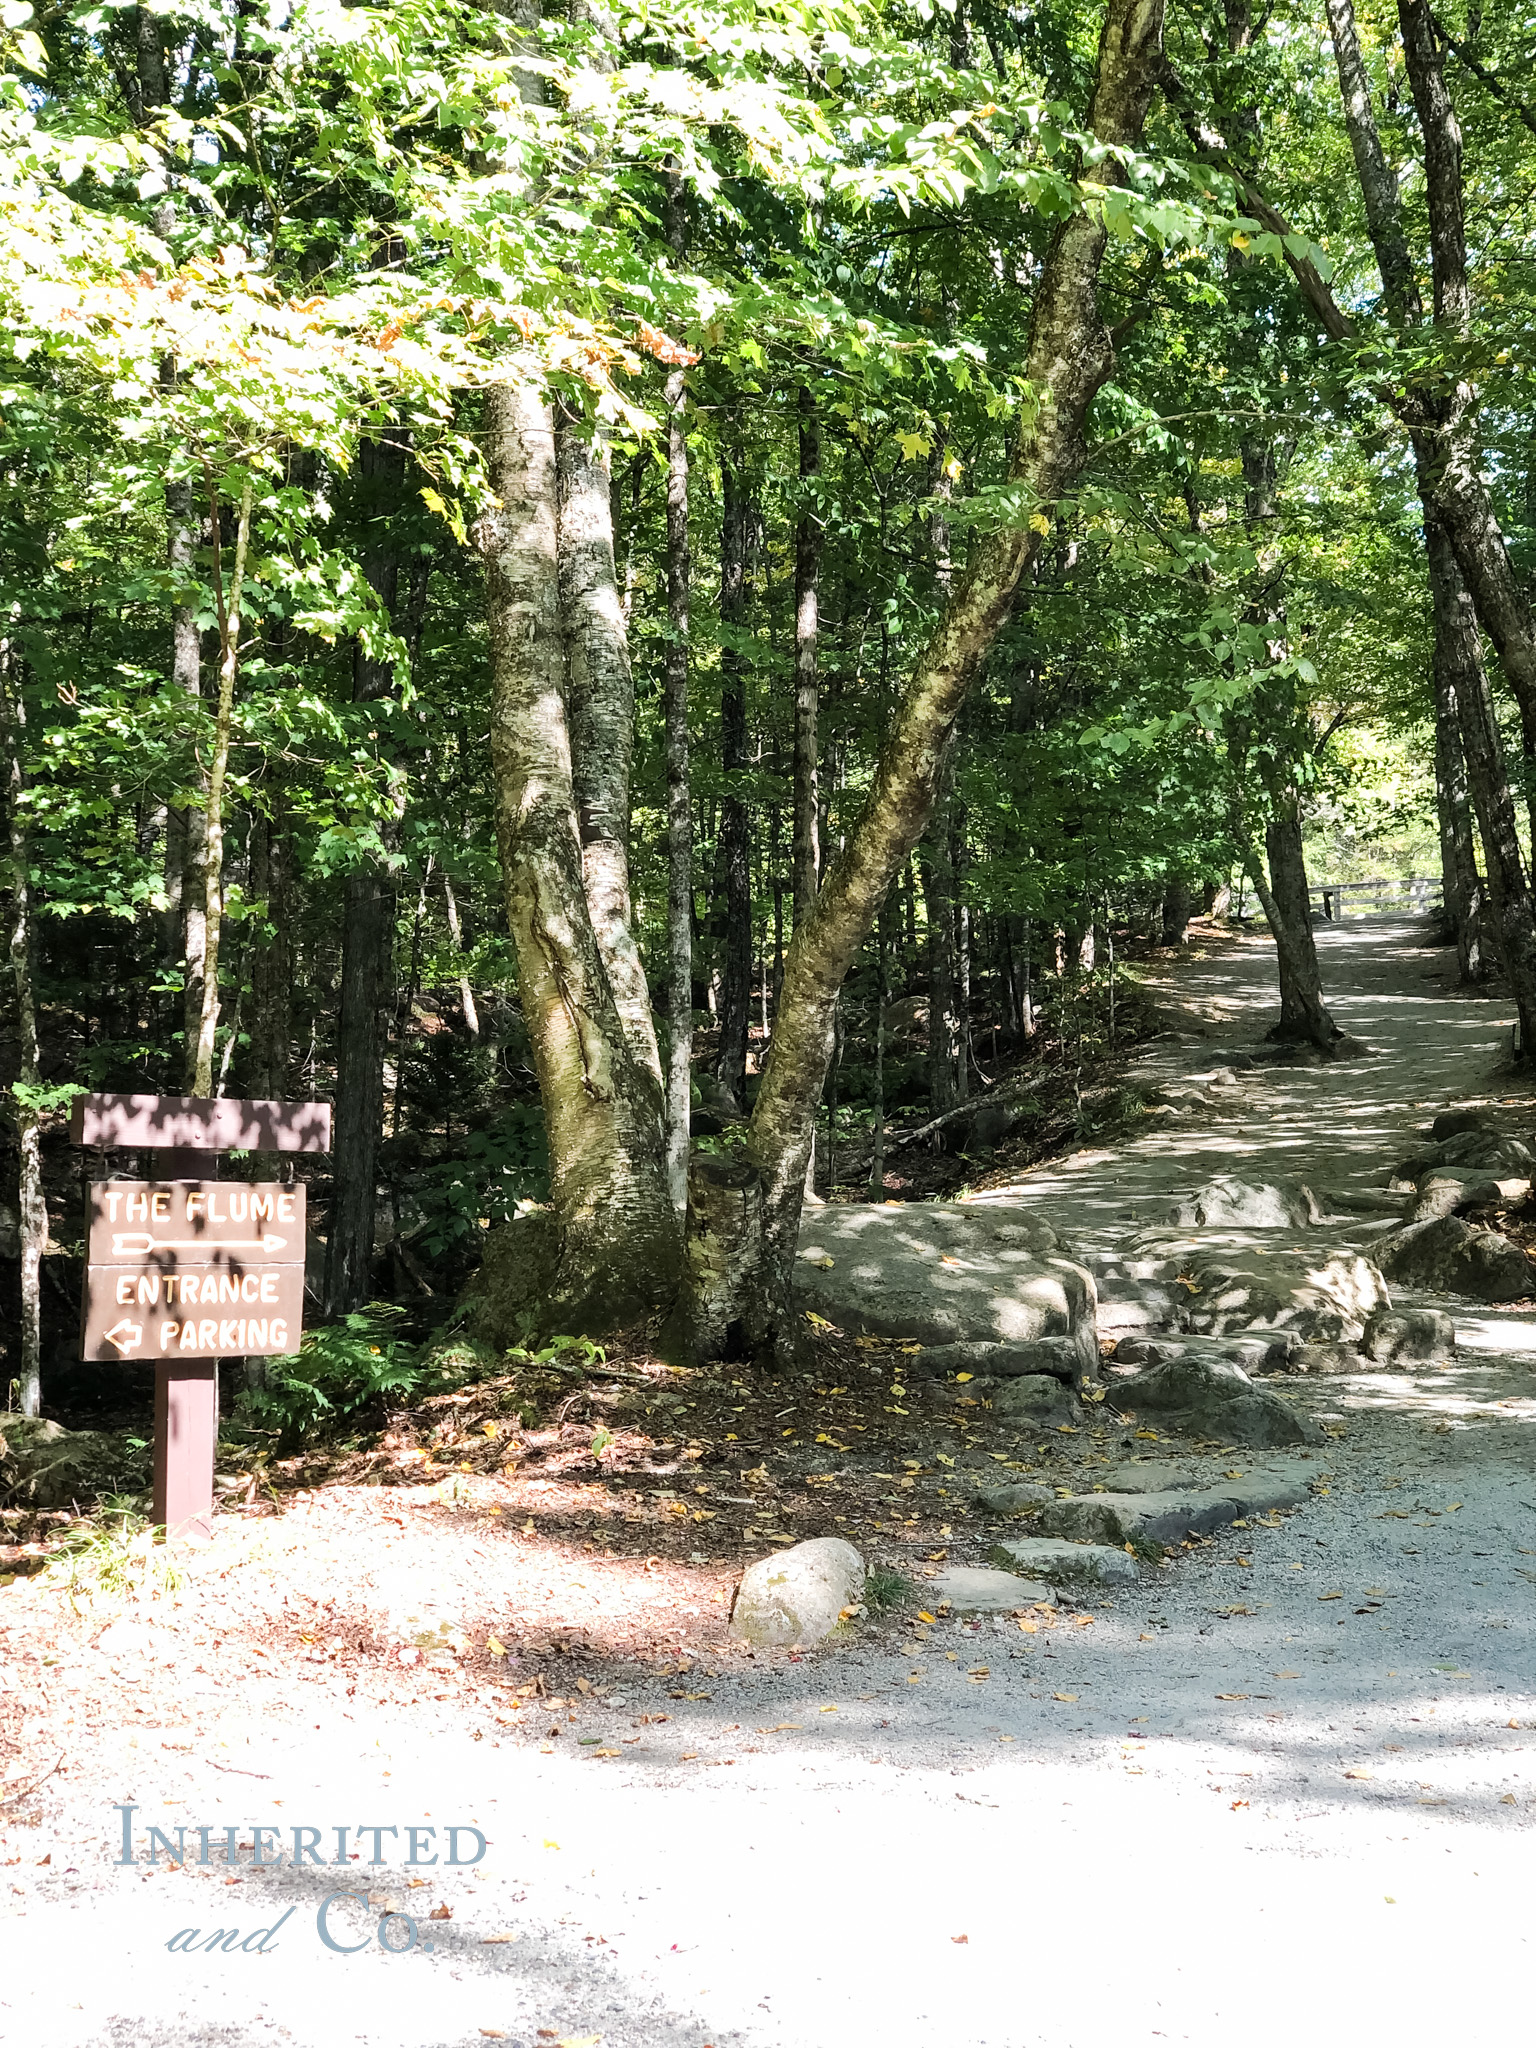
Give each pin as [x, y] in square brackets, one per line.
[1016, 1497]
[1229, 1203]
[941, 1273]
[1255, 1351]
[1409, 1336]
[1319, 1299]
[1447, 1256]
[1480, 1154]
[800, 1595]
[1036, 1399]
[43, 1465]
[1212, 1397]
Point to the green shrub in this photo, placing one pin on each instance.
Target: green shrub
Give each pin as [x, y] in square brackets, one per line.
[341, 1368]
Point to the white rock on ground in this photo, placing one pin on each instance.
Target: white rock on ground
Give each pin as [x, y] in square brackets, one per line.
[798, 1596]
[941, 1273]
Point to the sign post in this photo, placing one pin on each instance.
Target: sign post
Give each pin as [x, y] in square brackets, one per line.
[186, 1269]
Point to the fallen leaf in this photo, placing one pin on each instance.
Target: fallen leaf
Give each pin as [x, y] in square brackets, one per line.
[493, 2033]
[961, 1378]
[1330, 1596]
[1286, 1674]
[1237, 1803]
[441, 1912]
[1070, 1698]
[494, 1940]
[1509, 1799]
[780, 1728]
[496, 1649]
[1231, 1695]
[826, 1710]
[924, 1615]
[1357, 1774]
[960, 1940]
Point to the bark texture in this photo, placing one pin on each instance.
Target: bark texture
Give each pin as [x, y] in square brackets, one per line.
[1456, 645]
[805, 848]
[31, 1206]
[734, 924]
[602, 726]
[617, 1244]
[1070, 355]
[1459, 651]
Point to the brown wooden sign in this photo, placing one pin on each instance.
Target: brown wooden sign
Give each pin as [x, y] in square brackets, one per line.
[145, 1221]
[193, 1270]
[195, 1123]
[200, 1313]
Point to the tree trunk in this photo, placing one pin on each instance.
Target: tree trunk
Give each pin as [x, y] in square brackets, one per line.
[368, 932]
[602, 722]
[1070, 354]
[1461, 885]
[617, 1249]
[679, 1072]
[1287, 902]
[1178, 907]
[735, 900]
[456, 933]
[228, 605]
[31, 1205]
[805, 852]
[938, 870]
[1508, 884]
[271, 960]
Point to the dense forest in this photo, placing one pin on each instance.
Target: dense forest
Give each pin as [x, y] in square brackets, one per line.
[651, 600]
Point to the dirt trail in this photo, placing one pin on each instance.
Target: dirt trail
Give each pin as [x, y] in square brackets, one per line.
[1285, 1786]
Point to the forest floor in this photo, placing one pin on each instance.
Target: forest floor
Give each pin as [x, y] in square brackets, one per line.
[1284, 1783]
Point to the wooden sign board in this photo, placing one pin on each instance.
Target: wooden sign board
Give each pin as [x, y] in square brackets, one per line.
[195, 1123]
[193, 1270]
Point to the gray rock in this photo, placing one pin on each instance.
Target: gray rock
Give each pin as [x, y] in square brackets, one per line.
[798, 1595]
[1450, 1123]
[1071, 1358]
[1062, 1563]
[1254, 1350]
[1317, 1299]
[1037, 1398]
[948, 1394]
[1451, 1257]
[972, 1589]
[1228, 1202]
[1215, 1398]
[43, 1465]
[1021, 1497]
[1145, 1475]
[1418, 1336]
[1168, 1517]
[1444, 1189]
[941, 1272]
[1326, 1358]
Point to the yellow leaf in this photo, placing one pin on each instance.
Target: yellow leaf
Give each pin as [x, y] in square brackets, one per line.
[962, 1377]
[1231, 1695]
[496, 1649]
[924, 1615]
[1357, 1774]
[1509, 1799]
[826, 1710]
[1070, 1698]
[1038, 523]
[492, 1940]
[1330, 1596]
[826, 1265]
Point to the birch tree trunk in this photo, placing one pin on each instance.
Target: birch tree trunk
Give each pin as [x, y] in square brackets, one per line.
[679, 1072]
[1070, 355]
[228, 604]
[616, 1242]
[602, 727]
[1461, 884]
[31, 1207]
[805, 849]
[735, 905]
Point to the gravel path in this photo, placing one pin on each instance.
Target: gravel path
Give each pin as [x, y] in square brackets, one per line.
[1286, 1788]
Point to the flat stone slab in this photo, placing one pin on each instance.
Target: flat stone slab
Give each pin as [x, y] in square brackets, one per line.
[1170, 1516]
[941, 1273]
[1232, 1284]
[1145, 1475]
[1021, 1497]
[973, 1589]
[1060, 1562]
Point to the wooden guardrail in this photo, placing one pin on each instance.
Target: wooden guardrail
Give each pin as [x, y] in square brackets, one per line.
[1416, 890]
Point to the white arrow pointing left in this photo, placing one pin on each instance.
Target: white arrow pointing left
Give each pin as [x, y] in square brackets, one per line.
[126, 1336]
